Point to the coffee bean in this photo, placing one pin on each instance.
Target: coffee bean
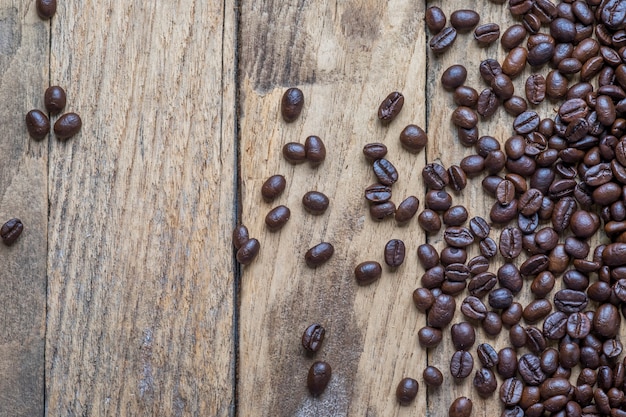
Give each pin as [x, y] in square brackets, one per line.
[367, 272]
[435, 19]
[487, 355]
[11, 230]
[37, 124]
[481, 284]
[487, 34]
[556, 85]
[380, 211]
[465, 96]
[512, 315]
[488, 247]
[394, 253]
[510, 278]
[67, 126]
[248, 251]
[461, 364]
[374, 151]
[429, 337]
[526, 122]
[427, 256]
[240, 236]
[435, 176]
[459, 237]
[294, 153]
[385, 172]
[500, 298]
[442, 311]
[432, 376]
[443, 40]
[273, 187]
[455, 216]
[46, 8]
[535, 88]
[315, 150]
[429, 221]
[423, 299]
[406, 391]
[463, 336]
[413, 138]
[464, 20]
[511, 391]
[319, 254]
[464, 117]
[453, 77]
[291, 104]
[473, 308]
[438, 200]
[378, 193]
[537, 310]
[318, 377]
[510, 242]
[507, 363]
[529, 368]
[562, 213]
[487, 103]
[517, 336]
[489, 68]
[570, 301]
[390, 107]
[313, 337]
[460, 407]
[534, 265]
[472, 165]
[277, 217]
[502, 86]
[315, 202]
[542, 284]
[606, 320]
[515, 106]
[515, 61]
[513, 36]
[458, 179]
[54, 99]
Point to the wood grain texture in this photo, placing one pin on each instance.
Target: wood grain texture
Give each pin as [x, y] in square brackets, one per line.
[140, 302]
[346, 57]
[24, 53]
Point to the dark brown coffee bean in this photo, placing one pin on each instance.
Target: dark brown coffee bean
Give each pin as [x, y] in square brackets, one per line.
[390, 107]
[479, 227]
[458, 178]
[248, 251]
[394, 253]
[505, 192]
[570, 301]
[240, 236]
[556, 85]
[500, 298]
[291, 104]
[540, 54]
[454, 76]
[578, 325]
[515, 106]
[277, 217]
[367, 272]
[488, 248]
[487, 34]
[464, 20]
[460, 407]
[315, 150]
[413, 138]
[537, 310]
[374, 151]
[562, 213]
[423, 299]
[489, 68]
[294, 152]
[37, 124]
[487, 103]
[510, 242]
[529, 368]
[443, 40]
[429, 221]
[406, 391]
[438, 200]
[515, 62]
[442, 311]
[511, 391]
[458, 237]
[435, 19]
[503, 87]
[535, 88]
[385, 172]
[584, 224]
[509, 277]
[378, 193]
[473, 308]
[473, 165]
[485, 382]
[463, 335]
[429, 337]
[319, 254]
[407, 209]
[487, 355]
[464, 117]
[54, 99]
[481, 284]
[542, 284]
[432, 376]
[318, 378]
[455, 216]
[517, 336]
[570, 66]
[507, 363]
[503, 214]
[313, 337]
[526, 122]
[465, 96]
[46, 8]
[435, 176]
[433, 278]
[461, 364]
[273, 187]
[11, 230]
[555, 325]
[512, 315]
[606, 320]
[315, 202]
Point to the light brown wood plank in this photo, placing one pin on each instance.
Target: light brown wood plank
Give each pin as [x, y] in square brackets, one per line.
[450, 151]
[140, 307]
[346, 57]
[24, 53]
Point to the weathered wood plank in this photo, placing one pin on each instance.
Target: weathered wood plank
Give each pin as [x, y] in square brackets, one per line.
[140, 307]
[24, 41]
[346, 57]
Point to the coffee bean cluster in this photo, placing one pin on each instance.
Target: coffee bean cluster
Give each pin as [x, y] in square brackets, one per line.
[38, 123]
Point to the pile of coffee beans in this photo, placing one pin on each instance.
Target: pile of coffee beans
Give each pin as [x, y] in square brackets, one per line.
[555, 183]
[38, 123]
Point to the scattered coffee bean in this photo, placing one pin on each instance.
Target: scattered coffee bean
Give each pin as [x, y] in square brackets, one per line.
[248, 251]
[315, 202]
[435, 19]
[46, 8]
[273, 187]
[54, 99]
[314, 149]
[460, 407]
[413, 138]
[294, 152]
[11, 230]
[432, 376]
[461, 364]
[367, 272]
[277, 217]
[67, 126]
[319, 254]
[443, 40]
[407, 209]
[240, 236]
[37, 124]
[318, 377]
[374, 151]
[385, 172]
[313, 337]
[390, 107]
[291, 104]
[407, 391]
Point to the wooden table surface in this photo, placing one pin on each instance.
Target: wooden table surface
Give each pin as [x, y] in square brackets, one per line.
[122, 297]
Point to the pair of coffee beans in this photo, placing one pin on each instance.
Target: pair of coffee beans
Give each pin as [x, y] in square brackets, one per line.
[38, 123]
[247, 248]
[320, 372]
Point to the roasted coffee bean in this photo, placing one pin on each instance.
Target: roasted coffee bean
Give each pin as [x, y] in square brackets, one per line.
[526, 122]
[54, 99]
[11, 230]
[485, 382]
[438, 200]
[442, 311]
[315, 150]
[429, 337]
[246, 253]
[406, 391]
[479, 227]
[478, 265]
[502, 86]
[514, 62]
[429, 221]
[319, 254]
[385, 172]
[313, 337]
[529, 368]
[487, 355]
[612, 348]
[315, 202]
[435, 19]
[455, 216]
[463, 335]
[500, 298]
[435, 176]
[374, 151]
[407, 209]
[515, 106]
[394, 253]
[378, 193]
[291, 104]
[556, 85]
[413, 138]
[465, 96]
[432, 376]
[537, 310]
[505, 192]
[473, 165]
[427, 256]
[511, 391]
[517, 336]
[481, 284]
[487, 34]
[423, 299]
[473, 308]
[367, 272]
[510, 242]
[458, 179]
[542, 284]
[458, 237]
[488, 247]
[453, 77]
[570, 301]
[540, 54]
[443, 40]
[535, 88]
[46, 8]
[487, 103]
[575, 280]
[240, 236]
[513, 36]
[489, 68]
[555, 325]
[318, 377]
[460, 407]
[464, 20]
[512, 315]
[546, 239]
[464, 117]
[509, 277]
[294, 152]
[578, 325]
[606, 320]
[277, 218]
[549, 361]
[562, 213]
[390, 107]
[461, 364]
[273, 187]
[37, 124]
[67, 126]
[507, 363]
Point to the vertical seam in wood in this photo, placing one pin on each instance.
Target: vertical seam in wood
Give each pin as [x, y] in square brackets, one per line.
[427, 128]
[47, 197]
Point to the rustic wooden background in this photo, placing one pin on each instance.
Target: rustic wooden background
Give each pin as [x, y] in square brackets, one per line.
[122, 297]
